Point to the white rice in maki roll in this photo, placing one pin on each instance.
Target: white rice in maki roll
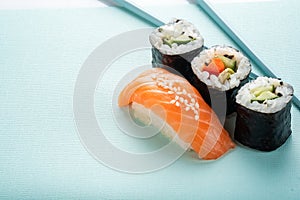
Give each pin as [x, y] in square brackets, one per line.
[221, 69]
[263, 113]
[176, 37]
[174, 45]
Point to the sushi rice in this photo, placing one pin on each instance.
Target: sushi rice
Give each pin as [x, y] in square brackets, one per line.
[211, 80]
[285, 90]
[146, 116]
[175, 28]
[263, 109]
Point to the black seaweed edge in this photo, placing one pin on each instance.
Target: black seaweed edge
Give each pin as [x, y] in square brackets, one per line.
[262, 131]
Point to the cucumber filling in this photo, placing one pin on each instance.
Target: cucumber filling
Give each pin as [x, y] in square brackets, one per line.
[182, 39]
[263, 93]
[226, 68]
[228, 62]
[225, 75]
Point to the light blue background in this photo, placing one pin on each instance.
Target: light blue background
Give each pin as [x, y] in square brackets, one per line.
[41, 157]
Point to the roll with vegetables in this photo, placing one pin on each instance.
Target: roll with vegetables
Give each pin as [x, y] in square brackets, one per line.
[221, 69]
[175, 45]
[263, 114]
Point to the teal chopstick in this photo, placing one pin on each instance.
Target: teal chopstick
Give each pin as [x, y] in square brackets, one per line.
[262, 67]
[210, 12]
[139, 12]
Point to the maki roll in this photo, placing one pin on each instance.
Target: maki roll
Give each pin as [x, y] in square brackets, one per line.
[263, 114]
[174, 45]
[222, 70]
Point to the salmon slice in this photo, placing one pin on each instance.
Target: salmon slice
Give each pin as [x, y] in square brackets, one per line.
[174, 100]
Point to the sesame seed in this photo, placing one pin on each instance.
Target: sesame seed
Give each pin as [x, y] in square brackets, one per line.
[173, 101]
[184, 91]
[176, 97]
[153, 76]
[170, 92]
[177, 104]
[181, 99]
[197, 105]
[187, 108]
[193, 100]
[196, 117]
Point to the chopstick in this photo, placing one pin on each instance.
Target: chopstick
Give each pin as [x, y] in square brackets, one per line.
[242, 46]
[134, 9]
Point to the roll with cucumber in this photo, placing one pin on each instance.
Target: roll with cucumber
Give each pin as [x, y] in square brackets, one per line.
[263, 114]
[174, 45]
[222, 70]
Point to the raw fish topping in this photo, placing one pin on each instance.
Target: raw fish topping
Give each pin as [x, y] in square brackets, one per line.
[172, 100]
[181, 97]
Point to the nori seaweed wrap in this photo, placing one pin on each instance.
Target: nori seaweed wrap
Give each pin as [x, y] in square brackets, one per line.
[263, 114]
[174, 45]
[222, 70]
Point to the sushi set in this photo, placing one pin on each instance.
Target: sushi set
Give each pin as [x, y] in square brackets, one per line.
[192, 88]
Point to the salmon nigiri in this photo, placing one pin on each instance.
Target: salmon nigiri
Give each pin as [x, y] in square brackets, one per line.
[174, 100]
